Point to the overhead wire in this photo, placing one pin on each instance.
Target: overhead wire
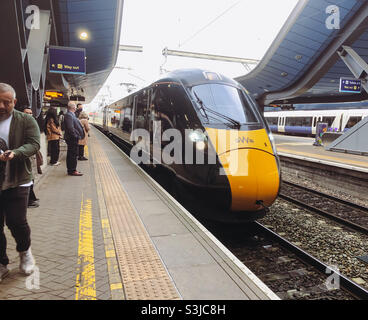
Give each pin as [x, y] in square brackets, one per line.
[208, 24]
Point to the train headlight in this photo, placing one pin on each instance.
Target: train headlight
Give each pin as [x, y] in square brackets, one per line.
[199, 138]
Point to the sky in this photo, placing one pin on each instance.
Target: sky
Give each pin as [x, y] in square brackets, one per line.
[236, 28]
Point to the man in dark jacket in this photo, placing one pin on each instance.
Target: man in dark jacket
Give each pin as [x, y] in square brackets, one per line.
[22, 138]
[73, 133]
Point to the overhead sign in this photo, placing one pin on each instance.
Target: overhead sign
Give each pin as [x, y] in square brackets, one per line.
[53, 94]
[67, 60]
[350, 85]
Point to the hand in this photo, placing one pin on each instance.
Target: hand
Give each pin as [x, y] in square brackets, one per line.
[7, 156]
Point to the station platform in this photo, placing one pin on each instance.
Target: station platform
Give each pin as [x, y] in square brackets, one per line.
[302, 148]
[115, 234]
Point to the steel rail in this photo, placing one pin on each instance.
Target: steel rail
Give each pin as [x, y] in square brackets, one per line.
[345, 282]
[326, 214]
[342, 201]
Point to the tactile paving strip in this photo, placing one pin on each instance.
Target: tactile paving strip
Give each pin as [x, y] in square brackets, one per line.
[143, 273]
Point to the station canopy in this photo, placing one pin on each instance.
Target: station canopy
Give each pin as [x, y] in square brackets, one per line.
[303, 64]
[94, 25]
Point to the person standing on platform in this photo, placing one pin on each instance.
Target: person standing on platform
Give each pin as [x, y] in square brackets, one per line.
[79, 110]
[83, 118]
[21, 134]
[53, 133]
[36, 161]
[73, 133]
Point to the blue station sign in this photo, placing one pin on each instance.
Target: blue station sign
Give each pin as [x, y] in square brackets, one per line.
[67, 60]
[350, 85]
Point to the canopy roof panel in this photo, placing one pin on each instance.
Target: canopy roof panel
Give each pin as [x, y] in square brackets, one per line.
[302, 65]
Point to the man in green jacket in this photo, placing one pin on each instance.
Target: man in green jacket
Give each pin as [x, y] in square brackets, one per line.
[22, 137]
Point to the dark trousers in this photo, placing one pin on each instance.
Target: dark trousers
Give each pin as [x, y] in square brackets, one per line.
[71, 156]
[32, 195]
[13, 212]
[54, 151]
[81, 151]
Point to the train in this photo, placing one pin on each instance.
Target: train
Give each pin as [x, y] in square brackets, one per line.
[225, 153]
[304, 122]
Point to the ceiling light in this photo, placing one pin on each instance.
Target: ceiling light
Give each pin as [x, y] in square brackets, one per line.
[83, 35]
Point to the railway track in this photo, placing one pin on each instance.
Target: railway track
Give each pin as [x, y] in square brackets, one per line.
[344, 212]
[292, 273]
[289, 271]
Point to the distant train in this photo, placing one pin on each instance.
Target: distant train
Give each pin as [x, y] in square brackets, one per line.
[304, 122]
[215, 115]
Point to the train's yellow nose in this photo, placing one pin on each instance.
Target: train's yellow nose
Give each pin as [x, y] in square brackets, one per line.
[250, 166]
[253, 176]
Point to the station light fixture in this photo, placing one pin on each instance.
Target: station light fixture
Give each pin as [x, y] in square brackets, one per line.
[83, 35]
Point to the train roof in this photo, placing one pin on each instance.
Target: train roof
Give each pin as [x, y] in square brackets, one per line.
[192, 77]
[188, 78]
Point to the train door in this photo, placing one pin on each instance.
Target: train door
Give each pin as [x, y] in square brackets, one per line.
[316, 119]
[281, 124]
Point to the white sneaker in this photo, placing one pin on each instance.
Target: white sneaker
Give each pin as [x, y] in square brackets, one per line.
[56, 164]
[4, 271]
[27, 262]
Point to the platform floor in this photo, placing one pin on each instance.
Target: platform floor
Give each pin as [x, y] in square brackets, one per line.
[115, 234]
[302, 147]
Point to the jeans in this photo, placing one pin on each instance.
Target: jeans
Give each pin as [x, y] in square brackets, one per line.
[72, 154]
[13, 212]
[54, 151]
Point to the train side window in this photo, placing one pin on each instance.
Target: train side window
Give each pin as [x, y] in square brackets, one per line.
[272, 121]
[353, 121]
[141, 110]
[127, 121]
[164, 108]
[328, 120]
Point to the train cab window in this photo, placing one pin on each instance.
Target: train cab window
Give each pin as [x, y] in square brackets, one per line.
[141, 110]
[352, 122]
[223, 104]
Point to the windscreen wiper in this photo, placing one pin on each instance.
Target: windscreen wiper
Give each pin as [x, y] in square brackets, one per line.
[205, 108]
[202, 105]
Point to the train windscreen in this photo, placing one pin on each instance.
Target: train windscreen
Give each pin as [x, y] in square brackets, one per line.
[221, 104]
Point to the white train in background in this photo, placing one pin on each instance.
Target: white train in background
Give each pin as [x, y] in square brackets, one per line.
[304, 122]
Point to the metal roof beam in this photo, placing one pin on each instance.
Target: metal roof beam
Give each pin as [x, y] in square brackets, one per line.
[130, 48]
[357, 66]
[354, 29]
[167, 52]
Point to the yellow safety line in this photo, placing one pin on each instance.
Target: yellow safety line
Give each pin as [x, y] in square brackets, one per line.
[86, 277]
[86, 151]
[348, 162]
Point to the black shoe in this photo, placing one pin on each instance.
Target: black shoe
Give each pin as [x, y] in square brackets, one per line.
[82, 159]
[33, 204]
